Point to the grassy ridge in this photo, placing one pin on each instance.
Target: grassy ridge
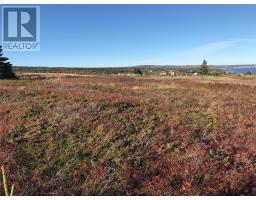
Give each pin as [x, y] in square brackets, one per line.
[109, 135]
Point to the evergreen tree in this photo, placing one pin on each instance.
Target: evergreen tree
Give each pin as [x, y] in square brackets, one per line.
[5, 67]
[204, 68]
[137, 71]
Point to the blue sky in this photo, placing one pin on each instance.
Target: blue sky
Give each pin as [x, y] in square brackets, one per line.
[125, 35]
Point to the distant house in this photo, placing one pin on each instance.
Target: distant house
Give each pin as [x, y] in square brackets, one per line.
[132, 74]
[172, 73]
[163, 73]
[126, 74]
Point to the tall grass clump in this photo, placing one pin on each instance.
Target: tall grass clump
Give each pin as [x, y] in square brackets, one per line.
[4, 182]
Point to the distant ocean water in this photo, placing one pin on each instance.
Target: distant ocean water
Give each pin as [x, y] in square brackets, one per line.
[241, 70]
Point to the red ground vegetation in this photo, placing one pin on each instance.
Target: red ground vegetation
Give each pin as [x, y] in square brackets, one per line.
[109, 135]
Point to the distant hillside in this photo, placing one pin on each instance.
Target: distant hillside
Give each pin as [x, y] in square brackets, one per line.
[45, 68]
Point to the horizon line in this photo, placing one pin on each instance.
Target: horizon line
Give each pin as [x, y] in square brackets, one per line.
[131, 66]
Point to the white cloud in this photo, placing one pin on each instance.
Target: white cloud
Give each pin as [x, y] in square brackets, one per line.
[216, 46]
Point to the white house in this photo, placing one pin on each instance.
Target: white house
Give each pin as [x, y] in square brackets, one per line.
[163, 73]
[172, 73]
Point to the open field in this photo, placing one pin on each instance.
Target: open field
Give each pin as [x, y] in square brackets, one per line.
[118, 135]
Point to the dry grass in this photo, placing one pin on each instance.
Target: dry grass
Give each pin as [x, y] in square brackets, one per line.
[4, 184]
[112, 135]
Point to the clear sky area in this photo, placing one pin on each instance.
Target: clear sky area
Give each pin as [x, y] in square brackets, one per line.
[128, 35]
